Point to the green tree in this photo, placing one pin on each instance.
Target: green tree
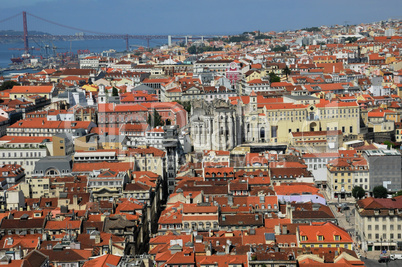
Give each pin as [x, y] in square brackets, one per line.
[192, 50]
[389, 144]
[351, 39]
[186, 105]
[155, 119]
[115, 92]
[8, 85]
[286, 71]
[237, 39]
[312, 29]
[358, 192]
[279, 48]
[262, 36]
[397, 194]
[380, 192]
[273, 78]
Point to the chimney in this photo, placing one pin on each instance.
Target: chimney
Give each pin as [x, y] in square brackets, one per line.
[284, 229]
[227, 247]
[230, 200]
[289, 211]
[44, 236]
[97, 238]
[277, 229]
[209, 249]
[110, 245]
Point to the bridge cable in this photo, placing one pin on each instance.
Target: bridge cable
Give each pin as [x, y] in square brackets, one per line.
[16, 15]
[68, 27]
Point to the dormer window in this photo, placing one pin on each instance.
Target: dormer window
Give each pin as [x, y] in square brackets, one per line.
[303, 238]
[337, 237]
[320, 238]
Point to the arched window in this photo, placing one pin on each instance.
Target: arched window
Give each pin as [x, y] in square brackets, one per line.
[262, 133]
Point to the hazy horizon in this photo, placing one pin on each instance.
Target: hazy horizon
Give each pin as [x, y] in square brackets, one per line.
[193, 17]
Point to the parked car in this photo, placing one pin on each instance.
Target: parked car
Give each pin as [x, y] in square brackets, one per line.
[395, 257]
[384, 258]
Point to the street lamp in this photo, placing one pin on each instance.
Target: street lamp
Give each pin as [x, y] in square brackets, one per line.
[343, 191]
[381, 244]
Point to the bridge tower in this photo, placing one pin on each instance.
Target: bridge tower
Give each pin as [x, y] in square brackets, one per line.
[148, 42]
[24, 22]
[169, 40]
[127, 44]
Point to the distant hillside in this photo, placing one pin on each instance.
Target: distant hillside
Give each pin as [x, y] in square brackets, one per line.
[17, 33]
[11, 32]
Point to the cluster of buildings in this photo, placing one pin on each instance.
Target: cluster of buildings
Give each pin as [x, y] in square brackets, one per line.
[226, 158]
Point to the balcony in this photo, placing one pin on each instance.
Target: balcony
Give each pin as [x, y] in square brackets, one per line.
[313, 118]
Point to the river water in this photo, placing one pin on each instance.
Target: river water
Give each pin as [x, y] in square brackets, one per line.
[94, 46]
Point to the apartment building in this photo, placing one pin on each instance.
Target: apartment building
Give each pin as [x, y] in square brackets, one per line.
[384, 168]
[317, 141]
[317, 165]
[24, 151]
[114, 115]
[344, 174]
[47, 91]
[378, 223]
[108, 184]
[217, 66]
[10, 175]
[44, 127]
[285, 118]
[148, 159]
[319, 235]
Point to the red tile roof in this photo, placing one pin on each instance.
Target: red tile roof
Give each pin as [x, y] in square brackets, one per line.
[103, 261]
[328, 230]
[17, 89]
[62, 225]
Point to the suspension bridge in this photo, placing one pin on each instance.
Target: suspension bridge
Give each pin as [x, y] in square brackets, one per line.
[83, 34]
